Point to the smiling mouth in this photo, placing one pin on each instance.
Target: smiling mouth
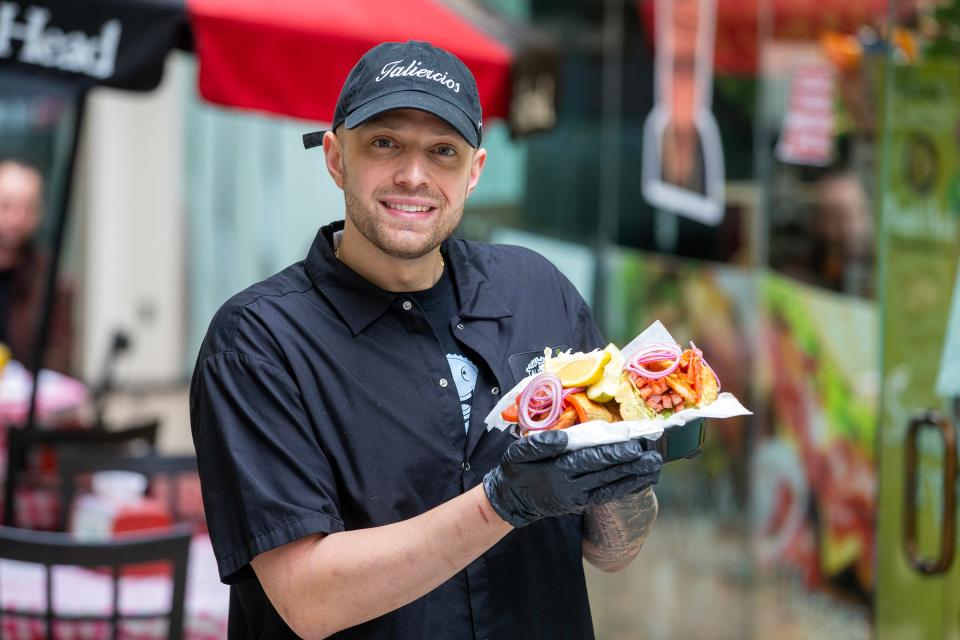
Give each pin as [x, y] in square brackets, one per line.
[407, 208]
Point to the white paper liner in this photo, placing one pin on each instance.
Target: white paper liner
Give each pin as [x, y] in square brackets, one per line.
[597, 432]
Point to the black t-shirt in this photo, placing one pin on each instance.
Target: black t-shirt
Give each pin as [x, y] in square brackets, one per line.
[439, 305]
[321, 403]
[6, 301]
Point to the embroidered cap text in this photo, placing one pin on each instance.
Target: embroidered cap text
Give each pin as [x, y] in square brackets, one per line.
[396, 69]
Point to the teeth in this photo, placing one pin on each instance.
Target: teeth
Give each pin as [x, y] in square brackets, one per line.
[408, 207]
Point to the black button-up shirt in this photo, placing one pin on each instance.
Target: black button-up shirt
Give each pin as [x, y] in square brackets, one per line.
[318, 405]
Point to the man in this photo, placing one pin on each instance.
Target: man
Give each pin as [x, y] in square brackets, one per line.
[843, 234]
[350, 485]
[23, 269]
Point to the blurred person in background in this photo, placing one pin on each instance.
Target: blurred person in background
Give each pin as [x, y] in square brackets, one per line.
[338, 407]
[843, 234]
[23, 271]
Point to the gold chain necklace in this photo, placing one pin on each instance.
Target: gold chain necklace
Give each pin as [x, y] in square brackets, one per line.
[443, 265]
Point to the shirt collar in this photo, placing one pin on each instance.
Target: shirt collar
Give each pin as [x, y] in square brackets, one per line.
[360, 303]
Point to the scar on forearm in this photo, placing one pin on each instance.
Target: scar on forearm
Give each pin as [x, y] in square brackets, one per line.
[482, 514]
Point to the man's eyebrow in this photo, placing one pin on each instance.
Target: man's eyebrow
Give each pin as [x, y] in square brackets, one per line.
[392, 123]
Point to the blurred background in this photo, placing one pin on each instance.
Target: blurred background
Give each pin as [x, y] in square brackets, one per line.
[777, 180]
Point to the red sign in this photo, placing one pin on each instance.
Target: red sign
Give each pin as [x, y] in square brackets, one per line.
[807, 136]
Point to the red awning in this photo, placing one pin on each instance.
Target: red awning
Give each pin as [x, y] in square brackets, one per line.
[291, 57]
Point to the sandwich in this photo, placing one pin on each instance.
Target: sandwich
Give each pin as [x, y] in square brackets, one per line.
[574, 388]
[545, 405]
[660, 380]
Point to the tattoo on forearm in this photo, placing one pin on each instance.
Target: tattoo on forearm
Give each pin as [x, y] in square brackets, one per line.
[615, 532]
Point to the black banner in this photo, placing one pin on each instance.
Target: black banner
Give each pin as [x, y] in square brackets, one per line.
[114, 43]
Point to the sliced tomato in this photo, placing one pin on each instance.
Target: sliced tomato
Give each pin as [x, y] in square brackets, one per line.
[512, 413]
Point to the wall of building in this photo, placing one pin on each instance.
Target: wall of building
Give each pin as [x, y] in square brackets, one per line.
[128, 230]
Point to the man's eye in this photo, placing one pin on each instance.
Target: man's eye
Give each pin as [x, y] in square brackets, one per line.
[382, 143]
[446, 150]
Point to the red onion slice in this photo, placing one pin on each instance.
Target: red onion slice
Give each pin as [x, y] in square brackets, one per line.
[656, 352]
[542, 395]
[567, 392]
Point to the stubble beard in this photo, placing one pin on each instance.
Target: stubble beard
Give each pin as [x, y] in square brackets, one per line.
[366, 222]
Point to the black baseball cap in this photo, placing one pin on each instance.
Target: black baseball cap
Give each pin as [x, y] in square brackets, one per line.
[409, 75]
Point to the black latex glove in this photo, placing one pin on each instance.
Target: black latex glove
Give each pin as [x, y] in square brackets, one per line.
[536, 479]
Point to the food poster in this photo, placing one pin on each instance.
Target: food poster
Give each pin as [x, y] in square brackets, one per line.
[699, 546]
[919, 251]
[813, 472]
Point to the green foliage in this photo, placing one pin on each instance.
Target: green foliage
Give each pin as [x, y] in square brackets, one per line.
[947, 42]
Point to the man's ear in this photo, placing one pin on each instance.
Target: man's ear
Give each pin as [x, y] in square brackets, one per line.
[476, 168]
[333, 153]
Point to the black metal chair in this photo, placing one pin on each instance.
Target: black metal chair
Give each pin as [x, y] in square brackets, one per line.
[59, 549]
[21, 442]
[73, 464]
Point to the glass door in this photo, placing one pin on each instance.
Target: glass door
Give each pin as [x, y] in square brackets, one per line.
[919, 196]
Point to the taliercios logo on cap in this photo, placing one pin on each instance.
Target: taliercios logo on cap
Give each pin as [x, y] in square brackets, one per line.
[396, 69]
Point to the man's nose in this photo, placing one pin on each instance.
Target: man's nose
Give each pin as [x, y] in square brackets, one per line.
[412, 172]
[13, 214]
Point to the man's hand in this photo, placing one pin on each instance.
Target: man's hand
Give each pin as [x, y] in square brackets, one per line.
[536, 478]
[323, 584]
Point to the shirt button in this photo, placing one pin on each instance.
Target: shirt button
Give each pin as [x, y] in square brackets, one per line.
[495, 390]
[407, 305]
[443, 382]
[465, 466]
[460, 326]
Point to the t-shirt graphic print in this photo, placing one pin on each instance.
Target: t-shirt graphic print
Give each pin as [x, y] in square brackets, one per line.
[465, 376]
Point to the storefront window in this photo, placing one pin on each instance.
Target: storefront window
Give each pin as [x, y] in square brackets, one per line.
[831, 129]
